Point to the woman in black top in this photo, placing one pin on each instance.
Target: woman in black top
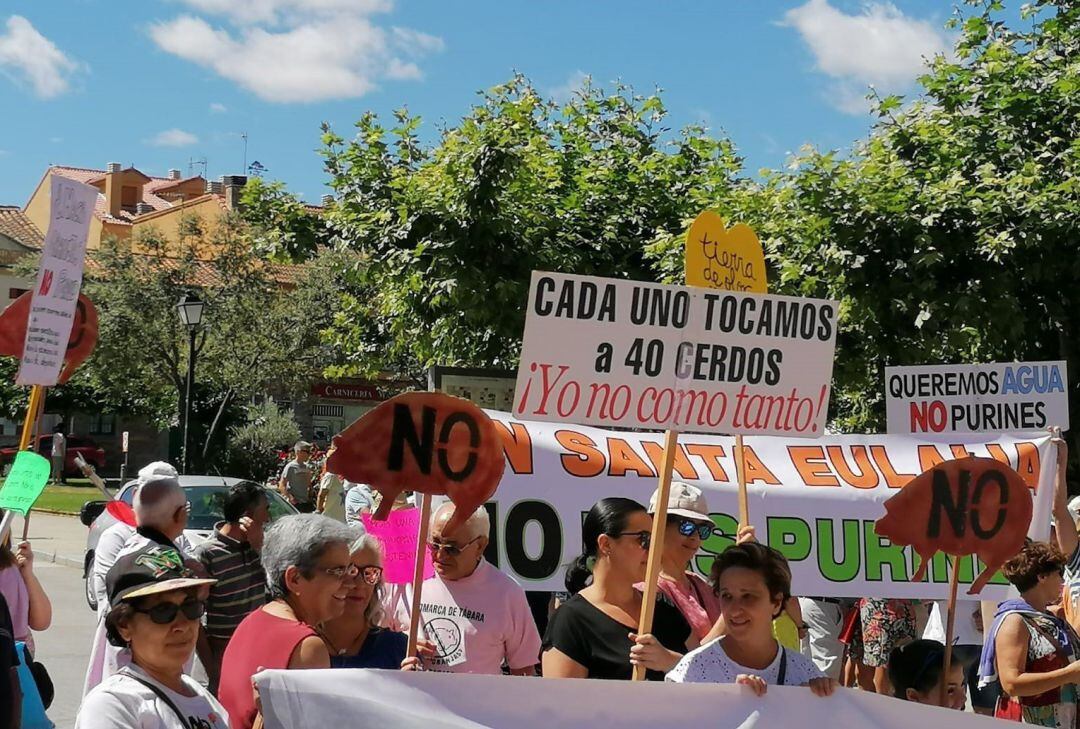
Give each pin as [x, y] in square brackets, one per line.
[593, 634]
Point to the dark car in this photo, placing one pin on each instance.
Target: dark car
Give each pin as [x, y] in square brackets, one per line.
[80, 445]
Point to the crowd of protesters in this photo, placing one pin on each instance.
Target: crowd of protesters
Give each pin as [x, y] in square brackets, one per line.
[307, 592]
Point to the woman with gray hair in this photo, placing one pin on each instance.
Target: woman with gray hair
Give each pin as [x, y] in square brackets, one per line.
[309, 575]
[356, 639]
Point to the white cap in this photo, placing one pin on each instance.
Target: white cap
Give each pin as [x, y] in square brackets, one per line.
[1074, 508]
[157, 468]
[684, 500]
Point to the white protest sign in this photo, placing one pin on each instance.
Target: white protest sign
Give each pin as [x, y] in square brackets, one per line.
[815, 501]
[59, 279]
[430, 700]
[986, 398]
[632, 354]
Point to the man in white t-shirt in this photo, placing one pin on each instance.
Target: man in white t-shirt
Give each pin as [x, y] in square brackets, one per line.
[476, 616]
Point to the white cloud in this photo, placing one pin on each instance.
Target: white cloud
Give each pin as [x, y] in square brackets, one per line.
[878, 46]
[173, 138]
[28, 56]
[218, 108]
[297, 50]
[575, 82]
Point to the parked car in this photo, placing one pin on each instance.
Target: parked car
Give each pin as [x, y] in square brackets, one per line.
[80, 445]
[206, 494]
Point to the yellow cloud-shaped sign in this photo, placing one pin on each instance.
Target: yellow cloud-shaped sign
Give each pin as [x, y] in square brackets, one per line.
[730, 259]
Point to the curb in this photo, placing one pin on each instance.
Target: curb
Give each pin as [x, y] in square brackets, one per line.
[55, 512]
[61, 560]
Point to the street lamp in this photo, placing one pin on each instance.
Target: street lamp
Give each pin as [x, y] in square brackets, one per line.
[190, 307]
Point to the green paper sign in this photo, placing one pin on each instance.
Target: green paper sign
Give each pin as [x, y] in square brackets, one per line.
[24, 484]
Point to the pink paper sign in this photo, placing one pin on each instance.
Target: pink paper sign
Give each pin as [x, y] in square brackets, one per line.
[398, 535]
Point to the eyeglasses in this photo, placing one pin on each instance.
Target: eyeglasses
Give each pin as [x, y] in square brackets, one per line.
[452, 550]
[372, 573]
[688, 526]
[644, 538]
[340, 573]
[166, 612]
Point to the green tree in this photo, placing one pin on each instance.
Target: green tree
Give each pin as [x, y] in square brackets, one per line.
[951, 234]
[446, 236]
[253, 446]
[280, 225]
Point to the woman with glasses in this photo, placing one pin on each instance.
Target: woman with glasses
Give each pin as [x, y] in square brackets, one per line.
[593, 634]
[356, 638]
[155, 607]
[1034, 654]
[753, 582]
[309, 576]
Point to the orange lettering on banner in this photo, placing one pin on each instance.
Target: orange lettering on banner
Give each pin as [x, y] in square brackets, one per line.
[683, 467]
[623, 458]
[893, 479]
[711, 455]
[959, 451]
[517, 445]
[866, 478]
[584, 460]
[998, 453]
[756, 470]
[929, 456]
[1028, 456]
[809, 461]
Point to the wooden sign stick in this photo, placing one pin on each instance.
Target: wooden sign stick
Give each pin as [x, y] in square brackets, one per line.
[656, 546]
[949, 625]
[39, 417]
[37, 393]
[740, 470]
[418, 571]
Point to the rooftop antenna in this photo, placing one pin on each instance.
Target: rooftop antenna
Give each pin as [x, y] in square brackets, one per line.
[194, 162]
[244, 136]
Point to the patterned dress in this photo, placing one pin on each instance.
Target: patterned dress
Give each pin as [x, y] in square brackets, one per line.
[1054, 708]
[886, 624]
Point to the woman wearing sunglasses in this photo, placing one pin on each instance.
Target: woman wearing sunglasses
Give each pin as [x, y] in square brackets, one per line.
[309, 576]
[593, 634]
[753, 582]
[356, 638]
[155, 607]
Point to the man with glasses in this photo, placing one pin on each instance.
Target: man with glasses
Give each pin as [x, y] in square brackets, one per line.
[476, 616]
[295, 482]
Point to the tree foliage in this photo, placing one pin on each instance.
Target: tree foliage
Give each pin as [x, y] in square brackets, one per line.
[446, 236]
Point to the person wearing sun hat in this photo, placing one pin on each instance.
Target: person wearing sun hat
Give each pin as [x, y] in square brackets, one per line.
[688, 525]
[155, 605]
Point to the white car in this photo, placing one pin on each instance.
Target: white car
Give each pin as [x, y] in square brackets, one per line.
[206, 494]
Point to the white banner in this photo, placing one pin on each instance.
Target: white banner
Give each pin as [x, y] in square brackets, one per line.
[815, 501]
[378, 699]
[59, 279]
[633, 354]
[986, 398]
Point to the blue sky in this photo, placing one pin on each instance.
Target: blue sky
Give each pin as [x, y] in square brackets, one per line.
[157, 83]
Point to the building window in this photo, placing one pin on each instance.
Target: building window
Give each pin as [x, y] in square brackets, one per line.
[16, 293]
[129, 197]
[103, 424]
[329, 411]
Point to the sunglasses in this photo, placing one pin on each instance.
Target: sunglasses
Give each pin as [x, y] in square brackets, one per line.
[452, 550]
[166, 612]
[644, 538]
[687, 527]
[340, 573]
[371, 574]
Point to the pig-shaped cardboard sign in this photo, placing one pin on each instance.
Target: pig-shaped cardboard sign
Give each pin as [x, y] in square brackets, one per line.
[83, 339]
[966, 506]
[423, 441]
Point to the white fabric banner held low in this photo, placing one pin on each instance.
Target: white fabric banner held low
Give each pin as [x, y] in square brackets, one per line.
[816, 501]
[984, 398]
[634, 354]
[59, 280]
[404, 700]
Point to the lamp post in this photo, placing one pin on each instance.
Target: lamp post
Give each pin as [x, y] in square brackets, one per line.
[190, 307]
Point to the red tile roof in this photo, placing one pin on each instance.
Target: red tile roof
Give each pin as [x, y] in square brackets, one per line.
[15, 225]
[149, 195]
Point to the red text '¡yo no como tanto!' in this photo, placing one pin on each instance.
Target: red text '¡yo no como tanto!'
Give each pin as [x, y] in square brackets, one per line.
[669, 407]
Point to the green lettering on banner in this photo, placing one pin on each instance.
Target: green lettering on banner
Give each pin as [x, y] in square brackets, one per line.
[726, 528]
[881, 552]
[847, 568]
[789, 535]
[24, 484]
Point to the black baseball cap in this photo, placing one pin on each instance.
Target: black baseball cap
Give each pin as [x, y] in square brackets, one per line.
[150, 570]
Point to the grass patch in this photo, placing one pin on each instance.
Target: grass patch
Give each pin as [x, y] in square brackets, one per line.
[68, 497]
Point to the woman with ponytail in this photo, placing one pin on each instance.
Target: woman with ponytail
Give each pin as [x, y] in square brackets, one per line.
[593, 634]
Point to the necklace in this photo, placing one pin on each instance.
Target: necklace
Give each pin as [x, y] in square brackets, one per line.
[353, 645]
